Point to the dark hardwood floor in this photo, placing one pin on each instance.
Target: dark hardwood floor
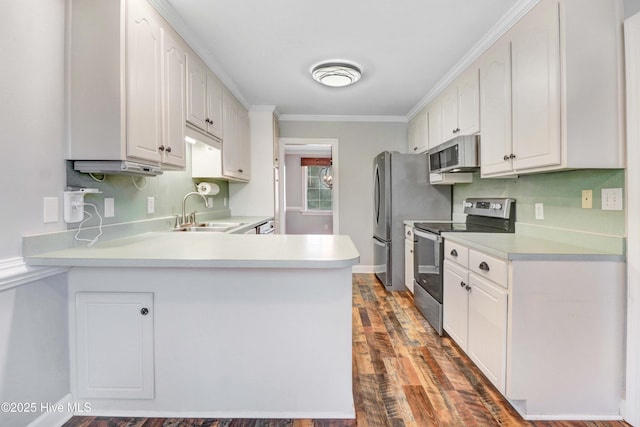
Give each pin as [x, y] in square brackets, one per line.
[404, 374]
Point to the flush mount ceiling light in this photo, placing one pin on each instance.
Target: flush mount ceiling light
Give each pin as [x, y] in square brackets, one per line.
[336, 74]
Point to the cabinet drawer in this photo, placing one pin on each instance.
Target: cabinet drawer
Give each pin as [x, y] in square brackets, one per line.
[494, 269]
[456, 253]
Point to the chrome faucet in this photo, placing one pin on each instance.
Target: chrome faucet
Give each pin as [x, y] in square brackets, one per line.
[183, 219]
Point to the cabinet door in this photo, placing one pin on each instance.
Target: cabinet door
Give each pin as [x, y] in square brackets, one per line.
[214, 106]
[196, 92]
[469, 102]
[488, 329]
[418, 133]
[244, 144]
[455, 302]
[434, 117]
[114, 349]
[536, 88]
[144, 90]
[408, 264]
[495, 104]
[236, 149]
[450, 126]
[174, 83]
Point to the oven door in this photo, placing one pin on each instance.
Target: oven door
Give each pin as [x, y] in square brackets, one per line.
[428, 255]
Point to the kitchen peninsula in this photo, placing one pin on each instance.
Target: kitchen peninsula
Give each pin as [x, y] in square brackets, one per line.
[211, 325]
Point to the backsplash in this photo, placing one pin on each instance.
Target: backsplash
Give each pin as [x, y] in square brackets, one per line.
[560, 193]
[168, 190]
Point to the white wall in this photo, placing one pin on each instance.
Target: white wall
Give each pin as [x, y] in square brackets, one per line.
[359, 143]
[33, 327]
[31, 107]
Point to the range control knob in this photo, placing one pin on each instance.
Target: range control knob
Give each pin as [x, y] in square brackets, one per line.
[496, 206]
[468, 204]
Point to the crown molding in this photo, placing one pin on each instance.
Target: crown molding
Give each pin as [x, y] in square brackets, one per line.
[507, 21]
[173, 18]
[338, 118]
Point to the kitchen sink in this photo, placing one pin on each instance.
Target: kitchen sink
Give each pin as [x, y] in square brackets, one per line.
[219, 227]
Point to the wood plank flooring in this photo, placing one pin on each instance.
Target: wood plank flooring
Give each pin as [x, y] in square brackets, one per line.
[404, 374]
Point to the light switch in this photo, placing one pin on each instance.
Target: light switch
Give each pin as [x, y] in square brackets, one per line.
[50, 211]
[539, 210]
[612, 199]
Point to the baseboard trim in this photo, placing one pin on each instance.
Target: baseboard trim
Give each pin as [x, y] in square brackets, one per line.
[349, 415]
[572, 417]
[362, 269]
[58, 414]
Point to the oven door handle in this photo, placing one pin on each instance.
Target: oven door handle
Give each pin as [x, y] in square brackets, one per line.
[430, 236]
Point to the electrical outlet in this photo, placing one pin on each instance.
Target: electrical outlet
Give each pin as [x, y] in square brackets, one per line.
[587, 199]
[151, 205]
[539, 210]
[109, 207]
[612, 199]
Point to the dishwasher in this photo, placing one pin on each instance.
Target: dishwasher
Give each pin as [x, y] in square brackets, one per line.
[266, 227]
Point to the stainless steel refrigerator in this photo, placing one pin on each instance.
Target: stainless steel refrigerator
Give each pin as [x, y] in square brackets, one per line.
[401, 191]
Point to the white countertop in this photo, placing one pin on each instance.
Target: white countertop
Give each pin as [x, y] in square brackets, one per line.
[514, 246]
[172, 249]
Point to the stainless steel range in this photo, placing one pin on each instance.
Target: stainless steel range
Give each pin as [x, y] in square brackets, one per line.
[484, 215]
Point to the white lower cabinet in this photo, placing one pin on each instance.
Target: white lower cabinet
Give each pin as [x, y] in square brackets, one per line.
[114, 345]
[487, 333]
[530, 324]
[456, 303]
[475, 317]
[408, 257]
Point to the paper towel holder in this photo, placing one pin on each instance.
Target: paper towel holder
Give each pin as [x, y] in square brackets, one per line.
[208, 188]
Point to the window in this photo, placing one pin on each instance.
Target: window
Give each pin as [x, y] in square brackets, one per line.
[317, 194]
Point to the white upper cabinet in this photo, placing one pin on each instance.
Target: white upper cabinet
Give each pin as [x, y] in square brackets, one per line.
[434, 120]
[231, 159]
[495, 104]
[461, 106]
[204, 97]
[174, 79]
[126, 84]
[144, 94]
[418, 133]
[449, 107]
[469, 102]
[535, 88]
[547, 102]
[236, 160]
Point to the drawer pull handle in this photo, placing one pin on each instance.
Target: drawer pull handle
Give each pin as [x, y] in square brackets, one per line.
[462, 284]
[144, 311]
[484, 266]
[454, 252]
[468, 288]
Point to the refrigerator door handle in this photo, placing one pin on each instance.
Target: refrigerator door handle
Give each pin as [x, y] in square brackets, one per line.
[376, 195]
[378, 242]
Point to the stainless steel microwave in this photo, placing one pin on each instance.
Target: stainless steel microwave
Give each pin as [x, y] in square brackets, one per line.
[459, 154]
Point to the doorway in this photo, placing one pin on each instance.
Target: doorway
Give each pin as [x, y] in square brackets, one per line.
[307, 191]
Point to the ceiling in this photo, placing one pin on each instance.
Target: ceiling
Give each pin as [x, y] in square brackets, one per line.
[264, 50]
